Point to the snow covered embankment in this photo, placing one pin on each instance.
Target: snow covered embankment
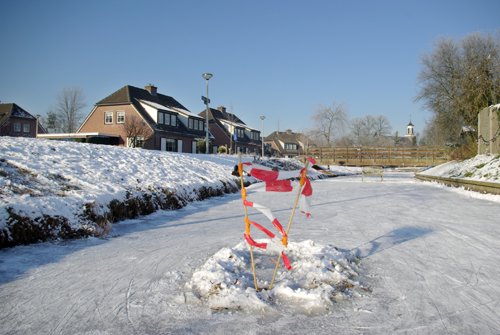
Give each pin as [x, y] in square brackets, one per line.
[53, 189]
[480, 168]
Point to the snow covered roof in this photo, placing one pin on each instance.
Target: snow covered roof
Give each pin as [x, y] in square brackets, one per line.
[238, 125]
[170, 109]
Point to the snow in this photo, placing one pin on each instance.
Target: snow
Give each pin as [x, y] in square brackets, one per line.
[62, 177]
[320, 276]
[398, 256]
[481, 168]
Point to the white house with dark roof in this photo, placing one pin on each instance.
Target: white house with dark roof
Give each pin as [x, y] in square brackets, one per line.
[230, 131]
[145, 118]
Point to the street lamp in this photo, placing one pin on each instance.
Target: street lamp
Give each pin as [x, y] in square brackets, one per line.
[262, 117]
[207, 77]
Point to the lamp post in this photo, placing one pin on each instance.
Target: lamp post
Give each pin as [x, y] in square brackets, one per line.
[262, 117]
[207, 77]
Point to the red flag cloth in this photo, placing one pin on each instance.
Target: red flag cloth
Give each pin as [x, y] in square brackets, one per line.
[253, 243]
[247, 203]
[264, 175]
[279, 186]
[264, 230]
[286, 261]
[307, 190]
[278, 226]
[311, 160]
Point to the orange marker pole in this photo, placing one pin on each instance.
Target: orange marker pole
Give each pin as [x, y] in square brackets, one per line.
[285, 241]
[247, 220]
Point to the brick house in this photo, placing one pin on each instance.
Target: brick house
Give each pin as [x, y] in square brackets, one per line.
[15, 121]
[286, 143]
[146, 118]
[230, 131]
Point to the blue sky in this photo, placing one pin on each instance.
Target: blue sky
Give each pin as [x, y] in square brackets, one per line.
[281, 59]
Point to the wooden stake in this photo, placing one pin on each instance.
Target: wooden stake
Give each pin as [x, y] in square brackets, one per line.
[243, 196]
[289, 225]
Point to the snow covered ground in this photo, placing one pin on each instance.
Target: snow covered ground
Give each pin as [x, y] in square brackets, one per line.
[53, 189]
[481, 167]
[398, 256]
[427, 263]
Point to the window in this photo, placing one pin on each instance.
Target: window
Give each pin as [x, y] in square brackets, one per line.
[135, 142]
[108, 118]
[170, 145]
[17, 127]
[240, 133]
[167, 119]
[196, 124]
[290, 146]
[254, 135]
[120, 117]
[26, 128]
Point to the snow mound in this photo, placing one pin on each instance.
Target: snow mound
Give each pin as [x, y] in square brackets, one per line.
[321, 276]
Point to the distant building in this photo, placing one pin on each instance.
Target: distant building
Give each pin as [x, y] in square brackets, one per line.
[137, 117]
[230, 131]
[15, 121]
[286, 143]
[410, 138]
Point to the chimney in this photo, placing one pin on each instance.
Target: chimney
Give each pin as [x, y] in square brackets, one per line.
[221, 109]
[151, 89]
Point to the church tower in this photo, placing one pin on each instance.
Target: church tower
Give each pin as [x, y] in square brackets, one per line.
[410, 130]
[410, 134]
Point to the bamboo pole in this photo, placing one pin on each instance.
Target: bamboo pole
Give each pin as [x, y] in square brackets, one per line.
[301, 185]
[247, 228]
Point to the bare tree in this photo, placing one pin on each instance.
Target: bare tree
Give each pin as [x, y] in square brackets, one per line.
[457, 81]
[382, 126]
[137, 131]
[358, 132]
[68, 110]
[330, 122]
[370, 130]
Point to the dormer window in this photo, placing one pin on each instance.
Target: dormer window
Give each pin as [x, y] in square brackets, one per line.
[167, 119]
[254, 135]
[240, 133]
[196, 124]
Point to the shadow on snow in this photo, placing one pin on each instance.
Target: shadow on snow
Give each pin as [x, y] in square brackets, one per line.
[389, 240]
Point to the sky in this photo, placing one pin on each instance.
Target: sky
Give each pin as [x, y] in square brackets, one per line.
[279, 59]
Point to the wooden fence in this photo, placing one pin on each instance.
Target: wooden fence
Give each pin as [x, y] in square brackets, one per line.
[380, 156]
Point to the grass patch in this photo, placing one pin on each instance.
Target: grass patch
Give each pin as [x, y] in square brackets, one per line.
[480, 166]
